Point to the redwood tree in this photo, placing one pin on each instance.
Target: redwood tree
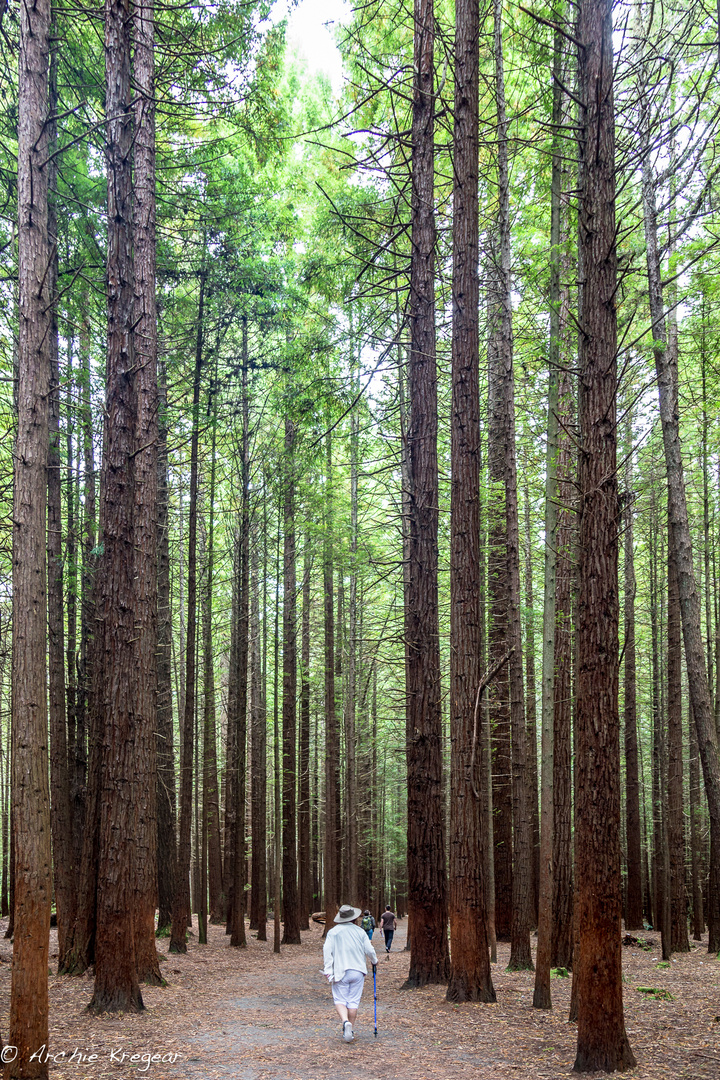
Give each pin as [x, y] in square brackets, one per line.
[291, 935]
[115, 676]
[146, 479]
[427, 888]
[30, 794]
[470, 978]
[602, 1042]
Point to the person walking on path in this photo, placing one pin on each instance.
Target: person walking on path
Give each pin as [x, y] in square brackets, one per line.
[388, 925]
[346, 952]
[368, 923]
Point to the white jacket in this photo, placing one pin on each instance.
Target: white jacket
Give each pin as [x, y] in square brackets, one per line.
[347, 948]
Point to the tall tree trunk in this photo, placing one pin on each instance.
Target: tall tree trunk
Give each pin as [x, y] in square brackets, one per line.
[304, 802]
[679, 941]
[30, 795]
[181, 902]
[277, 779]
[706, 515]
[427, 888]
[660, 891]
[484, 720]
[498, 590]
[166, 805]
[61, 820]
[80, 793]
[666, 368]
[633, 907]
[291, 935]
[531, 704]
[332, 749]
[602, 1042]
[542, 995]
[211, 795]
[563, 885]
[146, 477]
[470, 978]
[340, 804]
[115, 669]
[695, 834]
[351, 779]
[4, 809]
[231, 735]
[237, 937]
[72, 485]
[521, 918]
[258, 753]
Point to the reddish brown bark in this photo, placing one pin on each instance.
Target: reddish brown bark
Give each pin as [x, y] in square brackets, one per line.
[115, 667]
[679, 941]
[291, 919]
[64, 877]
[563, 887]
[258, 777]
[602, 1042]
[79, 765]
[145, 462]
[237, 913]
[332, 750]
[531, 705]
[427, 888]
[521, 913]
[181, 902]
[304, 846]
[30, 795]
[470, 978]
[166, 844]
[666, 368]
[633, 904]
[696, 828]
[542, 997]
[212, 861]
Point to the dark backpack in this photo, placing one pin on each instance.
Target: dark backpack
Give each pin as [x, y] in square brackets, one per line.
[366, 922]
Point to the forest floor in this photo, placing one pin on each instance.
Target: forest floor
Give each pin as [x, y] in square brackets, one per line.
[229, 1014]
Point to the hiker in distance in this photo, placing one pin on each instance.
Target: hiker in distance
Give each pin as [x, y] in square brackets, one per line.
[388, 925]
[368, 923]
[346, 952]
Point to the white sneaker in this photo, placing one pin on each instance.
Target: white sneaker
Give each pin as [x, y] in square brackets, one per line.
[348, 1035]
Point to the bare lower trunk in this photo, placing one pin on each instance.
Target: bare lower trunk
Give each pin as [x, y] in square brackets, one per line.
[427, 888]
[304, 802]
[633, 906]
[521, 917]
[602, 1042]
[679, 941]
[115, 672]
[146, 436]
[258, 778]
[61, 821]
[563, 887]
[30, 795]
[166, 805]
[666, 361]
[181, 902]
[542, 995]
[332, 750]
[470, 978]
[696, 829]
[291, 935]
[237, 937]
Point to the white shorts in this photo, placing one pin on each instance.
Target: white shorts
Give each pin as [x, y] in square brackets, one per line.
[348, 990]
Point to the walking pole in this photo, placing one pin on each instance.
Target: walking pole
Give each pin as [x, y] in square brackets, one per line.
[375, 995]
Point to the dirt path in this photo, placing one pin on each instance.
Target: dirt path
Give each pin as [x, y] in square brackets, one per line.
[251, 1015]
